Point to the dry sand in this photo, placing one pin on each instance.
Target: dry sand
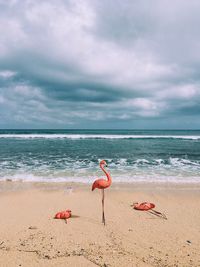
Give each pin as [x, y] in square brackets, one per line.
[29, 236]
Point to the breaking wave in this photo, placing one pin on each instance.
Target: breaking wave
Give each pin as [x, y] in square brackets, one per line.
[169, 170]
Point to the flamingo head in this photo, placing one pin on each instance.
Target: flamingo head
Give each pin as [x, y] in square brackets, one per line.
[103, 162]
[68, 211]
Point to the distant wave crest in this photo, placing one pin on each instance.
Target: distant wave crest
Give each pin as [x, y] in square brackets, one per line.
[97, 136]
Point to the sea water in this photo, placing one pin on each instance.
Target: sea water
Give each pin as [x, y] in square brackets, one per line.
[74, 155]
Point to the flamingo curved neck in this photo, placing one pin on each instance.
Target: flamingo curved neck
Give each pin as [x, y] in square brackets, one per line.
[106, 173]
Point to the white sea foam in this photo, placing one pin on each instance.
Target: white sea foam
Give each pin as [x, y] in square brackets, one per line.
[179, 162]
[142, 161]
[170, 170]
[98, 136]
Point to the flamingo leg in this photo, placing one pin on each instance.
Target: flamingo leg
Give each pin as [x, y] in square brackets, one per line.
[103, 215]
[157, 213]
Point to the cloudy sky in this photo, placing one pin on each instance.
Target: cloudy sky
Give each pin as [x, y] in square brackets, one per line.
[100, 64]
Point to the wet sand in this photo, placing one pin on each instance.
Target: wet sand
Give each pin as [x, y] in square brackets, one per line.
[29, 236]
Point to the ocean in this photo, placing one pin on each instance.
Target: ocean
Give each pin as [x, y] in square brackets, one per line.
[151, 156]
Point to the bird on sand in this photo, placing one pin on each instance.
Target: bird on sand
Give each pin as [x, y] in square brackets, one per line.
[147, 206]
[66, 214]
[102, 184]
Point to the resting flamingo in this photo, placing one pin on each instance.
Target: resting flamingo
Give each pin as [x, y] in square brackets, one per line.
[147, 206]
[65, 214]
[102, 184]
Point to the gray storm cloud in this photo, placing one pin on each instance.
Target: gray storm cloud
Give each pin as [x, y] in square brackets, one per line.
[99, 64]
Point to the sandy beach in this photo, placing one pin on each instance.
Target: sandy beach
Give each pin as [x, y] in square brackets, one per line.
[29, 236]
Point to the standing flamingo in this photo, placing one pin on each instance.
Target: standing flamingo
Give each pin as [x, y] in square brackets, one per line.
[102, 184]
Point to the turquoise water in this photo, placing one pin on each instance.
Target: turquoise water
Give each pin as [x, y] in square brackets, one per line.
[73, 155]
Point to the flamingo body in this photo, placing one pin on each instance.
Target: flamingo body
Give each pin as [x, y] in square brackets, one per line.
[144, 206]
[100, 184]
[66, 214]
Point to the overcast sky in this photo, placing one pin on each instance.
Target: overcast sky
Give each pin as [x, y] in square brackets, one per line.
[100, 64]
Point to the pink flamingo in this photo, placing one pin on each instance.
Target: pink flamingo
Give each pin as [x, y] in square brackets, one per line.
[147, 206]
[65, 214]
[102, 184]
